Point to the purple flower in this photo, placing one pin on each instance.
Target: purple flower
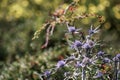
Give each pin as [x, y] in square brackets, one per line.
[118, 56]
[71, 29]
[99, 74]
[78, 64]
[47, 73]
[86, 46]
[106, 60]
[60, 64]
[89, 44]
[92, 31]
[100, 53]
[115, 59]
[77, 43]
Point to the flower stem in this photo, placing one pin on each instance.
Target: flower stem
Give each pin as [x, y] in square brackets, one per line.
[115, 68]
[83, 73]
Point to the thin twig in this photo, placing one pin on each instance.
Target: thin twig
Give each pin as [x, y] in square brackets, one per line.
[47, 37]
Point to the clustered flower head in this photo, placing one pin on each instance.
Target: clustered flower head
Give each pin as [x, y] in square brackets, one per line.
[100, 53]
[77, 43]
[117, 58]
[98, 75]
[93, 31]
[106, 60]
[72, 29]
[87, 60]
[60, 64]
[47, 73]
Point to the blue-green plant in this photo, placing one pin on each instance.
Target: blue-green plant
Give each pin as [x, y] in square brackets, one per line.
[87, 61]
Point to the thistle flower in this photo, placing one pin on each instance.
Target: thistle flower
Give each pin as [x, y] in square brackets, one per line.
[86, 46]
[77, 43]
[115, 59]
[100, 53]
[90, 42]
[47, 73]
[118, 56]
[78, 64]
[60, 64]
[92, 31]
[72, 29]
[99, 75]
[106, 60]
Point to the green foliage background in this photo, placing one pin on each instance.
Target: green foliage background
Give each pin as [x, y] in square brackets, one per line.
[21, 57]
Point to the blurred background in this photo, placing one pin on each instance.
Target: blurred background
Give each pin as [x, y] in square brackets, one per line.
[21, 57]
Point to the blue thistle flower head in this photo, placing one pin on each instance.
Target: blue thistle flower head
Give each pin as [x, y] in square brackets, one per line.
[118, 56]
[71, 29]
[115, 59]
[106, 60]
[100, 53]
[92, 31]
[99, 74]
[78, 64]
[77, 43]
[60, 64]
[47, 73]
[86, 46]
